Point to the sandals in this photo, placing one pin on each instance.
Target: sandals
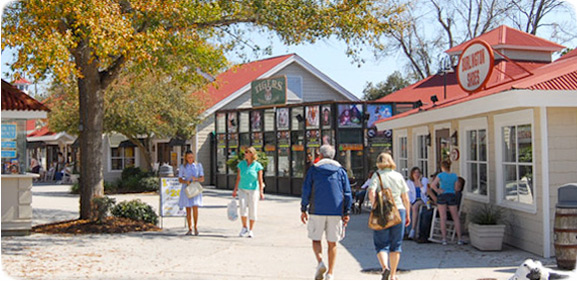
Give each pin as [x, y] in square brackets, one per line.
[386, 274]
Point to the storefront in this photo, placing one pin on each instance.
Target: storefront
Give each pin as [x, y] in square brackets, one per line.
[291, 136]
[17, 107]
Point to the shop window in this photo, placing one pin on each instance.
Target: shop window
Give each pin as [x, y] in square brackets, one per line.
[221, 154]
[244, 121]
[515, 167]
[270, 150]
[269, 120]
[423, 154]
[298, 118]
[517, 163]
[298, 154]
[121, 158]
[220, 123]
[476, 162]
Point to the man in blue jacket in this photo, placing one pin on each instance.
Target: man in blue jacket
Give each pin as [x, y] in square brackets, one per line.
[326, 196]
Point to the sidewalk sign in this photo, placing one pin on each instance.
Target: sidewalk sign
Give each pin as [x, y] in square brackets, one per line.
[169, 196]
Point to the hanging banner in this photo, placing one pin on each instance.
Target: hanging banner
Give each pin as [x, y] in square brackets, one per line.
[169, 196]
[271, 91]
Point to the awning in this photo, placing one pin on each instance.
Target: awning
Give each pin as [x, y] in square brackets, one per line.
[127, 143]
[176, 142]
[35, 144]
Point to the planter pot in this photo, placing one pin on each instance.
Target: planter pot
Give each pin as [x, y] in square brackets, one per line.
[487, 237]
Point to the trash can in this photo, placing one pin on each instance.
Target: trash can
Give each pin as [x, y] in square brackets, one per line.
[565, 227]
[165, 171]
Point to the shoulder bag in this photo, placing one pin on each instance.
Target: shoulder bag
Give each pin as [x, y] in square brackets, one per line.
[385, 212]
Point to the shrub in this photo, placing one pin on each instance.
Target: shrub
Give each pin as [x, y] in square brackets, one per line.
[132, 172]
[75, 188]
[487, 215]
[150, 183]
[108, 188]
[102, 206]
[136, 210]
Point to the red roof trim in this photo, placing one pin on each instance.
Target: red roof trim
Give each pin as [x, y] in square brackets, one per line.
[14, 99]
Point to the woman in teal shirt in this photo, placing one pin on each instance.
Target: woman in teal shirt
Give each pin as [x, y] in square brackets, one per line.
[249, 186]
[447, 197]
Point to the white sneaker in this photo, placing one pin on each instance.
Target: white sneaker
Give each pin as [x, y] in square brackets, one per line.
[321, 269]
[250, 234]
[243, 232]
[329, 277]
[412, 234]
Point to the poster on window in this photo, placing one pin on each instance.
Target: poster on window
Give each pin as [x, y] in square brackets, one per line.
[326, 117]
[169, 196]
[232, 122]
[282, 118]
[312, 120]
[378, 112]
[256, 120]
[350, 115]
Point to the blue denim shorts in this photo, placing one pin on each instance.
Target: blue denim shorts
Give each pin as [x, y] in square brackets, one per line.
[390, 239]
[448, 199]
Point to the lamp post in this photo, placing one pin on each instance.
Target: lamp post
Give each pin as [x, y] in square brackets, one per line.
[445, 66]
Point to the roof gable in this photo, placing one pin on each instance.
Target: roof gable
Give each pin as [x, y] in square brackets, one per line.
[237, 80]
[510, 38]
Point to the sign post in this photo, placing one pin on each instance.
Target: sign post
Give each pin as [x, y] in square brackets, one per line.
[475, 66]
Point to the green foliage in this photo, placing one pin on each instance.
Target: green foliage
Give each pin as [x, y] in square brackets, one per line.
[130, 172]
[102, 206]
[487, 215]
[233, 161]
[108, 188]
[136, 210]
[150, 183]
[394, 82]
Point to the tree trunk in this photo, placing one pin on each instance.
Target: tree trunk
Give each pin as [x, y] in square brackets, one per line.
[91, 110]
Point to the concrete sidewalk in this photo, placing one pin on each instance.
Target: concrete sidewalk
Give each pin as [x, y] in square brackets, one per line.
[280, 250]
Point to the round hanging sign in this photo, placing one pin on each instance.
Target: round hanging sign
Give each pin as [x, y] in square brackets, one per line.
[454, 155]
[475, 66]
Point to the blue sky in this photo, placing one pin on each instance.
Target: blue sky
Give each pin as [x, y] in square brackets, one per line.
[329, 57]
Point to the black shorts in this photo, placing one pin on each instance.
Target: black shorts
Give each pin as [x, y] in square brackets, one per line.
[447, 199]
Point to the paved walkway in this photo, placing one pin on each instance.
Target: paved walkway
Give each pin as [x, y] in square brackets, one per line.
[280, 249]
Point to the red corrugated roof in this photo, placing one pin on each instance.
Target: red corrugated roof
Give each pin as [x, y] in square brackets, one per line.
[434, 85]
[237, 77]
[504, 35]
[14, 99]
[21, 81]
[44, 131]
[558, 75]
[569, 55]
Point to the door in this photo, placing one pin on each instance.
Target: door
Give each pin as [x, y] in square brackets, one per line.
[442, 149]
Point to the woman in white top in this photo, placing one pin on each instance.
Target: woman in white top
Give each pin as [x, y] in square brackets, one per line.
[417, 196]
[389, 241]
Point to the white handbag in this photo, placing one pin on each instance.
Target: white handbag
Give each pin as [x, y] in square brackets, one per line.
[193, 189]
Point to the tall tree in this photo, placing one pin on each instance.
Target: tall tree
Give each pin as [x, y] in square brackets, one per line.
[437, 25]
[139, 107]
[93, 40]
[394, 82]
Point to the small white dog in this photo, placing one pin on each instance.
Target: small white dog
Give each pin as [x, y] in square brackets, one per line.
[534, 270]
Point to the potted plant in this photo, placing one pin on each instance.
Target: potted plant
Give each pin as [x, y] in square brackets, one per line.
[486, 229]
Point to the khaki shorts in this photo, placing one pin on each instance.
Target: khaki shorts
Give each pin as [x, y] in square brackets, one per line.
[332, 225]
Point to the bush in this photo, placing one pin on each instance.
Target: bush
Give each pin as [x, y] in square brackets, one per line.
[108, 188]
[487, 215]
[102, 206]
[136, 210]
[150, 183]
[131, 172]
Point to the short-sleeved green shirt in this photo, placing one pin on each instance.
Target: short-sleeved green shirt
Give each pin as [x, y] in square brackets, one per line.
[249, 175]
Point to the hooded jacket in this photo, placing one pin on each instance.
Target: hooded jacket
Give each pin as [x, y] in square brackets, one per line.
[326, 190]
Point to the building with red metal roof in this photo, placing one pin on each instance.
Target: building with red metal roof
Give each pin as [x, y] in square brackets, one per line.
[514, 140]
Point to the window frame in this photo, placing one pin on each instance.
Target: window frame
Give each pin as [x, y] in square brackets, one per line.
[296, 77]
[417, 134]
[400, 134]
[517, 118]
[122, 157]
[465, 127]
